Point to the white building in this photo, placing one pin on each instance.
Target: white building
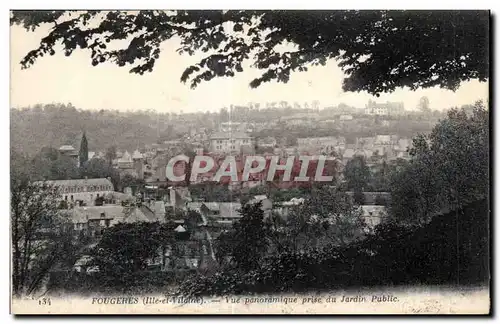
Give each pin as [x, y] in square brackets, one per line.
[384, 109]
[83, 191]
[230, 142]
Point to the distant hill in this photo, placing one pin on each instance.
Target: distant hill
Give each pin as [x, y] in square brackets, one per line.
[56, 124]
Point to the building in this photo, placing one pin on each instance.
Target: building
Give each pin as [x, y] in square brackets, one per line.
[79, 192]
[218, 214]
[69, 151]
[384, 109]
[230, 142]
[93, 219]
[131, 164]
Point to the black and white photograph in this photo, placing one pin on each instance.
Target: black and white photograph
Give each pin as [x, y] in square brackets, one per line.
[250, 162]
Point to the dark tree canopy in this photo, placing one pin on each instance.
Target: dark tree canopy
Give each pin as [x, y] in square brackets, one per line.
[377, 50]
[83, 155]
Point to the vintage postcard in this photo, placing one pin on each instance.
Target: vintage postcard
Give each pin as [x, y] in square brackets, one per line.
[250, 162]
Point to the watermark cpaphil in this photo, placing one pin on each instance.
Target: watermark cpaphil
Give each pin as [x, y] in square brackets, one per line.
[303, 168]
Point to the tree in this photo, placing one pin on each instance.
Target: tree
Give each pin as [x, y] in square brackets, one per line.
[326, 217]
[381, 177]
[48, 164]
[110, 154]
[126, 248]
[39, 235]
[357, 174]
[83, 155]
[442, 48]
[99, 168]
[129, 180]
[448, 169]
[246, 243]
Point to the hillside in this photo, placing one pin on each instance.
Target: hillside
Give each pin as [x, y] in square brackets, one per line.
[55, 125]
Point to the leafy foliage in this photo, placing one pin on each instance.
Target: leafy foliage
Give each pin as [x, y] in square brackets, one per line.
[99, 168]
[443, 251]
[449, 168]
[127, 248]
[357, 174]
[441, 48]
[48, 164]
[39, 235]
[246, 244]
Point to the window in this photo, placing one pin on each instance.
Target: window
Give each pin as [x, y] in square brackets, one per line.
[66, 198]
[233, 141]
[103, 215]
[71, 197]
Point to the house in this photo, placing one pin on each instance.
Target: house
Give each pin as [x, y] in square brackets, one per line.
[218, 214]
[131, 164]
[82, 191]
[384, 109]
[230, 142]
[93, 219]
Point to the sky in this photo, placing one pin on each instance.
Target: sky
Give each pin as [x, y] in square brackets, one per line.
[74, 80]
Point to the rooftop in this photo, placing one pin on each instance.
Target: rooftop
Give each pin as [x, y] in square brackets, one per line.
[80, 182]
[66, 148]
